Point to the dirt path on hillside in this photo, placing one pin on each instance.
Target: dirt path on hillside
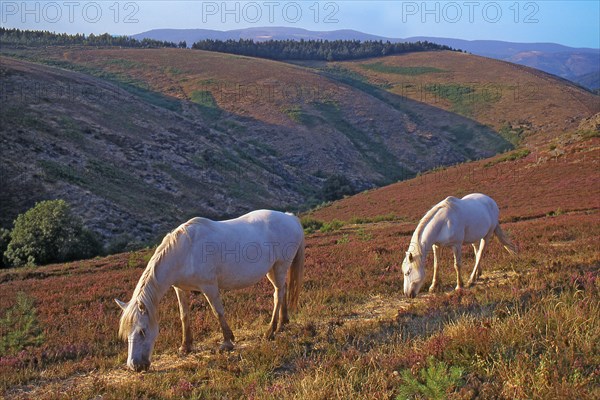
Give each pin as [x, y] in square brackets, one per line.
[377, 308]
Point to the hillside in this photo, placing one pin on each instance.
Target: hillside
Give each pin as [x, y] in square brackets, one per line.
[529, 329]
[590, 80]
[128, 162]
[521, 103]
[152, 137]
[546, 182]
[155, 136]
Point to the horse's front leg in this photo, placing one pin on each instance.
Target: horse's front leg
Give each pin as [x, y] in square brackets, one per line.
[214, 299]
[435, 284]
[183, 296]
[457, 263]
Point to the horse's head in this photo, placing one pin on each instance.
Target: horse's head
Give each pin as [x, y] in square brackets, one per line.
[140, 329]
[414, 273]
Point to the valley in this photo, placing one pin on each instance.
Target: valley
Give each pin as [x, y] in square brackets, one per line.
[201, 133]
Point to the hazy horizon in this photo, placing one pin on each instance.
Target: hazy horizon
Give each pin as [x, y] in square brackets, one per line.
[573, 24]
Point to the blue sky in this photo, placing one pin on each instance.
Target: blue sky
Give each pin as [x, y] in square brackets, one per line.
[572, 23]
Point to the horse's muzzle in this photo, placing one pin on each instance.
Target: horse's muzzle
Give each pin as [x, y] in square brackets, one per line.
[411, 295]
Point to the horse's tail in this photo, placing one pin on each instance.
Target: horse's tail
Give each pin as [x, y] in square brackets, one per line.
[508, 245]
[295, 277]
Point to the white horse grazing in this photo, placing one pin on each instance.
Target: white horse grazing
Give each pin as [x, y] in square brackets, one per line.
[204, 255]
[451, 223]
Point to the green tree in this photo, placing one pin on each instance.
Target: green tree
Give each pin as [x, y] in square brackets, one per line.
[49, 232]
[4, 240]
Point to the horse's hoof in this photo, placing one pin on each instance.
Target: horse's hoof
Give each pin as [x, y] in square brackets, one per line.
[270, 335]
[184, 350]
[226, 346]
[433, 289]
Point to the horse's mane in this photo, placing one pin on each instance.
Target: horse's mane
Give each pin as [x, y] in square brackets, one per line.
[446, 203]
[146, 290]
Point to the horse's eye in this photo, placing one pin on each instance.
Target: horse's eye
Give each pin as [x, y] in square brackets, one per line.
[407, 273]
[143, 333]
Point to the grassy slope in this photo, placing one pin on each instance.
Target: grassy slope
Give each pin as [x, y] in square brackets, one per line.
[528, 330]
[272, 131]
[128, 162]
[502, 95]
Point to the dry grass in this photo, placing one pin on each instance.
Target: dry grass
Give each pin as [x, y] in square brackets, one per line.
[529, 329]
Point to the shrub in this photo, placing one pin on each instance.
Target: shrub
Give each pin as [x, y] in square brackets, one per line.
[120, 244]
[310, 224]
[512, 156]
[49, 232]
[336, 187]
[19, 327]
[344, 239]
[331, 226]
[433, 382]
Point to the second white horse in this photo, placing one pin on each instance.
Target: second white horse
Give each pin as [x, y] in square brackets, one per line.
[450, 223]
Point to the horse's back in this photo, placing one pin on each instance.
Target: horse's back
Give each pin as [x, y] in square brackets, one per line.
[479, 214]
[260, 226]
[237, 253]
[482, 203]
[276, 224]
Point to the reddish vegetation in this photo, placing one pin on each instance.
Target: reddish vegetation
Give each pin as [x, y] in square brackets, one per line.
[534, 186]
[345, 271]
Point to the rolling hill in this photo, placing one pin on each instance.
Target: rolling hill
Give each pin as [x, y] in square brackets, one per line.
[519, 102]
[564, 61]
[154, 136]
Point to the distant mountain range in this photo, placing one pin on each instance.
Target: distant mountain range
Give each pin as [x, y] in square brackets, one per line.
[580, 65]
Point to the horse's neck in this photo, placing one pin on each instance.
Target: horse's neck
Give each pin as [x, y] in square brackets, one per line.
[155, 282]
[426, 237]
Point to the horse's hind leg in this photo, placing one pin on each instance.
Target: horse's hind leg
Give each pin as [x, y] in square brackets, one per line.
[477, 268]
[457, 263]
[435, 284]
[214, 299]
[277, 276]
[183, 296]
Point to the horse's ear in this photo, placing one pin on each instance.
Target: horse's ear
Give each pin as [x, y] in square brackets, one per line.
[121, 304]
[141, 307]
[410, 257]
